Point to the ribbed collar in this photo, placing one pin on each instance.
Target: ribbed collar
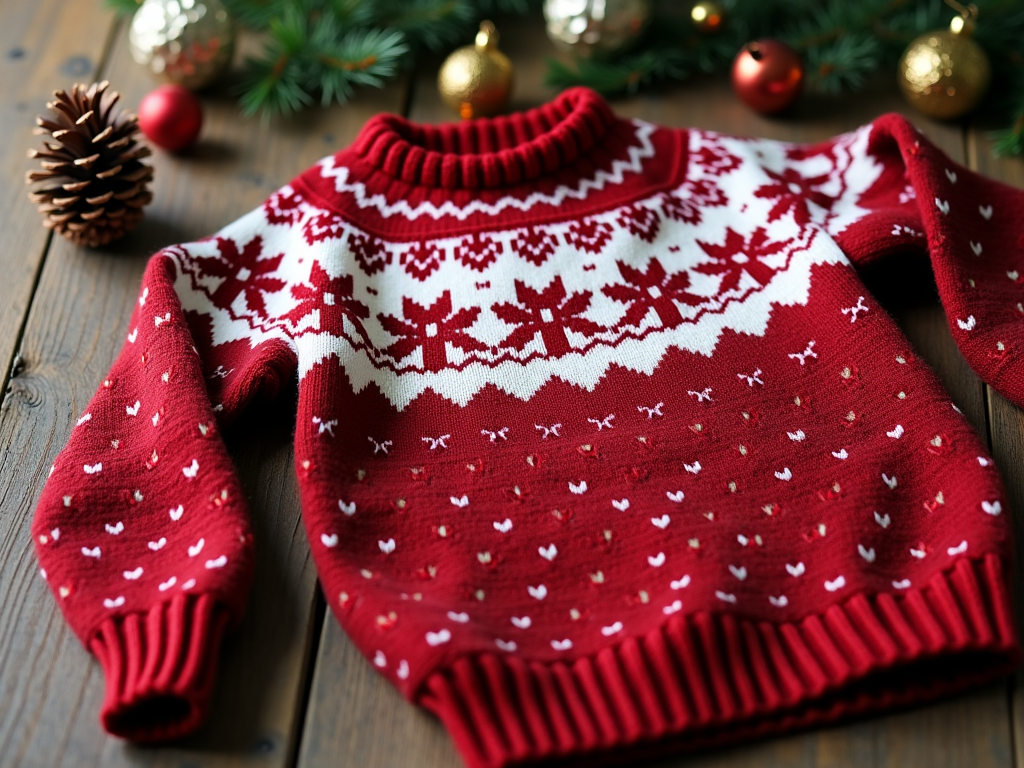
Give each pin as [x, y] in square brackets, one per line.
[487, 153]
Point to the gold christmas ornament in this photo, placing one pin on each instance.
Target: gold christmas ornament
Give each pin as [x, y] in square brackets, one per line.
[944, 73]
[596, 27]
[476, 80]
[707, 16]
[188, 42]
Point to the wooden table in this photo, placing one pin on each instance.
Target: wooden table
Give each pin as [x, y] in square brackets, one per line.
[292, 690]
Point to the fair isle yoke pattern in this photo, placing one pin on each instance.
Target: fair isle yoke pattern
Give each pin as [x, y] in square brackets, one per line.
[603, 447]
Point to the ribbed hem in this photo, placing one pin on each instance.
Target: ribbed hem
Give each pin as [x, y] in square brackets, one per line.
[159, 667]
[708, 678]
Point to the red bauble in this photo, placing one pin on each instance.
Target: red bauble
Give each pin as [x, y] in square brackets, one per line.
[171, 116]
[767, 75]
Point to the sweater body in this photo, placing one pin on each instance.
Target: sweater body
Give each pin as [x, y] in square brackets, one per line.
[602, 444]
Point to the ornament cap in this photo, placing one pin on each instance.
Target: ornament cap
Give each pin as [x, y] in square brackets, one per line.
[487, 37]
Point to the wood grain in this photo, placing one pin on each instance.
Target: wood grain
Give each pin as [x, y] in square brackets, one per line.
[42, 49]
[352, 711]
[74, 329]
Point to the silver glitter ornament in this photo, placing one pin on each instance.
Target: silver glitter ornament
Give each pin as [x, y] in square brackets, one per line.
[596, 27]
[188, 42]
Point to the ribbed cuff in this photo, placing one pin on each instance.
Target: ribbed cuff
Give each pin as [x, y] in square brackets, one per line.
[159, 667]
[708, 678]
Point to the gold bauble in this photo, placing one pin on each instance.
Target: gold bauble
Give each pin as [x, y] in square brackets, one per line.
[476, 80]
[188, 42]
[944, 74]
[707, 16]
[596, 27]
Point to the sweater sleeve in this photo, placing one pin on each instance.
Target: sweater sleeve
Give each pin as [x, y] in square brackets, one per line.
[902, 193]
[141, 529]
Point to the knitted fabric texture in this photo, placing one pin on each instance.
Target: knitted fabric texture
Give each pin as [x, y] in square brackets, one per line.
[604, 449]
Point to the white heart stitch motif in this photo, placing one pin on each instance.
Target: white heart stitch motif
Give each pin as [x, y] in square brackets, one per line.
[883, 520]
[578, 488]
[177, 512]
[94, 552]
[725, 597]
[158, 544]
[785, 475]
[93, 469]
[461, 618]
[461, 501]
[836, 584]
[959, 549]
[349, 508]
[896, 432]
[165, 585]
[133, 410]
[942, 205]
[133, 575]
[387, 547]
[117, 602]
[968, 324]
[622, 504]
[504, 526]
[989, 507]
[661, 522]
[867, 554]
[114, 529]
[522, 622]
[561, 645]
[403, 670]
[218, 562]
[682, 583]
[841, 454]
[796, 571]
[656, 561]
[902, 584]
[329, 540]
[538, 592]
[548, 553]
[779, 602]
[509, 646]
[196, 548]
[889, 481]
[740, 572]
[675, 607]
[439, 638]
[380, 660]
[191, 470]
[985, 211]
[612, 629]
[676, 496]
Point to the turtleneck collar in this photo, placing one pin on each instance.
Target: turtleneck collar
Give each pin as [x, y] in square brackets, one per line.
[487, 153]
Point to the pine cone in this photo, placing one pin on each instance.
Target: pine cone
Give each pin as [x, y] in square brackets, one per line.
[93, 186]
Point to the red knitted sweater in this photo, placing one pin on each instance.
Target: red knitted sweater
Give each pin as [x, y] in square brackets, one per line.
[603, 447]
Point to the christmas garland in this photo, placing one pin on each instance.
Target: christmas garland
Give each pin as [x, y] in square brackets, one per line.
[326, 48]
[841, 42]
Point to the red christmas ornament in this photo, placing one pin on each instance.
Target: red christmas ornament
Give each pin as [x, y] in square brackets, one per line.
[767, 75]
[170, 116]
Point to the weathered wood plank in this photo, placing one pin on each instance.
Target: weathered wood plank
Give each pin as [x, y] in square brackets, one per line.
[353, 712]
[1007, 424]
[51, 688]
[44, 46]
